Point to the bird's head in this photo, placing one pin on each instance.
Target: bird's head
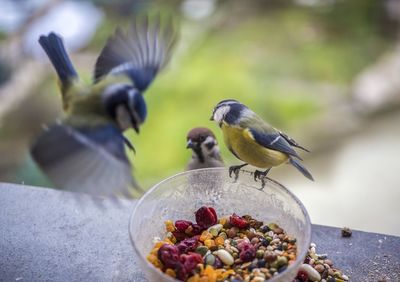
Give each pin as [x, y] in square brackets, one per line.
[229, 111]
[202, 141]
[125, 105]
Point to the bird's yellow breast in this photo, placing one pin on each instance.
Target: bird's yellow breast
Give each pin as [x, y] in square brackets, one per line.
[242, 143]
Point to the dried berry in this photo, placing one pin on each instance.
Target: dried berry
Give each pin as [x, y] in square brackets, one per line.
[248, 254]
[197, 229]
[188, 245]
[179, 235]
[168, 255]
[182, 225]
[206, 217]
[302, 276]
[181, 272]
[238, 221]
[190, 261]
[247, 251]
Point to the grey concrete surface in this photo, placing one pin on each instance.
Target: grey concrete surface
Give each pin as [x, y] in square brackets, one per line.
[48, 235]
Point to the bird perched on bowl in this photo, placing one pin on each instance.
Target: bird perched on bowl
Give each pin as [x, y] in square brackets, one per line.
[205, 149]
[85, 151]
[254, 141]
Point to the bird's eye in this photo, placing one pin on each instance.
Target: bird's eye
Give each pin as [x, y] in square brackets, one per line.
[202, 138]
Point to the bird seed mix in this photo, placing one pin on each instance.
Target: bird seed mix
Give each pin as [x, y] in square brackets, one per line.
[235, 248]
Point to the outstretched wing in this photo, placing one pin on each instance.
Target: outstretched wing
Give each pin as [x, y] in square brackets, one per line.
[273, 140]
[89, 160]
[141, 52]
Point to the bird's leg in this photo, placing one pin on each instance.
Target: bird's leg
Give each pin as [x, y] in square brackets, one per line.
[261, 175]
[235, 170]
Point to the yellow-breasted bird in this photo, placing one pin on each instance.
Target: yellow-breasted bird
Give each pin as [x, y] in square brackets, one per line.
[85, 151]
[254, 141]
[205, 149]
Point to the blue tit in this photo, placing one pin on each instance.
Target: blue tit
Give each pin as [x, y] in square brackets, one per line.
[254, 141]
[205, 149]
[85, 151]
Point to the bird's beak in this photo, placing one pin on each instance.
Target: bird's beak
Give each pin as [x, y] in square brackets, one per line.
[136, 128]
[190, 144]
[212, 117]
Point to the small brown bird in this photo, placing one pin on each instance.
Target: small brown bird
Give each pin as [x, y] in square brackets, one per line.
[205, 150]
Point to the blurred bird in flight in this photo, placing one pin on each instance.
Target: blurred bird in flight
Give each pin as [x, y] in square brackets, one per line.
[254, 141]
[85, 151]
[205, 149]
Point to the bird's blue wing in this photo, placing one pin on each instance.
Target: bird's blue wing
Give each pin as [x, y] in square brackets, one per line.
[273, 141]
[141, 52]
[89, 160]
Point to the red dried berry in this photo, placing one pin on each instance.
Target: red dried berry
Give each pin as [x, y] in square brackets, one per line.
[302, 276]
[181, 272]
[248, 255]
[188, 245]
[238, 221]
[179, 235]
[182, 225]
[242, 246]
[247, 251]
[168, 255]
[190, 261]
[197, 229]
[206, 217]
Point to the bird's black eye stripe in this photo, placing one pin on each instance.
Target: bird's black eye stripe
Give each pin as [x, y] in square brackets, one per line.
[210, 145]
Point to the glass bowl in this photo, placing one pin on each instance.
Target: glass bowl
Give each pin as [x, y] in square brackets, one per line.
[179, 196]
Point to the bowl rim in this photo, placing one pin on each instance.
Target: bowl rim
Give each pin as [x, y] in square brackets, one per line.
[155, 186]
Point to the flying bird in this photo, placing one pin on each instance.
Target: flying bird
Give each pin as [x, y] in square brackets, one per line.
[205, 149]
[85, 151]
[254, 141]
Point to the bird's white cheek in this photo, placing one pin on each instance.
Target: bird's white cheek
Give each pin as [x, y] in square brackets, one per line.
[220, 114]
[123, 118]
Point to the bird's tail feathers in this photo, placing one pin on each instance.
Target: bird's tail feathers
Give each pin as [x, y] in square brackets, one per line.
[53, 45]
[301, 168]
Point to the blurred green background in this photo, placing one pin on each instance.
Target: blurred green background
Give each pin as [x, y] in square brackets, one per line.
[322, 71]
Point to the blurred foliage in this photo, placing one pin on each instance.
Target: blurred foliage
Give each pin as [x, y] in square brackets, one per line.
[272, 61]
[274, 57]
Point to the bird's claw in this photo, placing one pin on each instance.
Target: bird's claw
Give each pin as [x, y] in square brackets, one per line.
[261, 175]
[235, 170]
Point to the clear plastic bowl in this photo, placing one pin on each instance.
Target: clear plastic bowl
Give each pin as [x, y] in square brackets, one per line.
[179, 196]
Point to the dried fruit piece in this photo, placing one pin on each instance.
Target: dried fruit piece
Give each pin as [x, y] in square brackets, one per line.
[182, 225]
[170, 272]
[188, 245]
[168, 255]
[302, 276]
[169, 226]
[238, 221]
[206, 217]
[190, 261]
[247, 251]
[181, 272]
[179, 235]
[205, 236]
